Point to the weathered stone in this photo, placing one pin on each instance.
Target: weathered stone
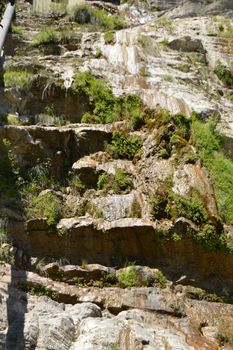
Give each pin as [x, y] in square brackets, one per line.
[186, 44]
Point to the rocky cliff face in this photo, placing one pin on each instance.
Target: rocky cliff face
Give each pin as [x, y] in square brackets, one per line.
[116, 176]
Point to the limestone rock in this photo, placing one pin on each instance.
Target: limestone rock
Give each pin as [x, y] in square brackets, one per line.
[186, 44]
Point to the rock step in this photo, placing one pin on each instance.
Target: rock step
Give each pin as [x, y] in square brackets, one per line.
[151, 316]
[114, 243]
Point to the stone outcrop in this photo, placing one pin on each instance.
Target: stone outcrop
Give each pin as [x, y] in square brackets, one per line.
[125, 316]
[112, 236]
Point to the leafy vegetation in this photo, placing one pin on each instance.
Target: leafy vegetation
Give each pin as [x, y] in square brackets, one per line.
[85, 14]
[40, 290]
[121, 181]
[124, 146]
[19, 79]
[46, 36]
[47, 206]
[109, 38]
[104, 106]
[224, 74]
[220, 167]
[76, 183]
[170, 205]
[128, 278]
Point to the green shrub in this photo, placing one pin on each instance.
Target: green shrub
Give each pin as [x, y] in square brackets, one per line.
[161, 279]
[209, 238]
[102, 181]
[46, 36]
[40, 290]
[77, 184]
[124, 146]
[190, 207]
[133, 111]
[17, 30]
[98, 54]
[119, 182]
[85, 14]
[13, 120]
[159, 206]
[104, 105]
[220, 167]
[129, 278]
[224, 74]
[20, 79]
[48, 206]
[109, 38]
[122, 179]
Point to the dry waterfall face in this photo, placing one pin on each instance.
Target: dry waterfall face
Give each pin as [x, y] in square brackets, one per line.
[116, 176]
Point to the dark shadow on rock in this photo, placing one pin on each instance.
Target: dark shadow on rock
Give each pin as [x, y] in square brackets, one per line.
[16, 309]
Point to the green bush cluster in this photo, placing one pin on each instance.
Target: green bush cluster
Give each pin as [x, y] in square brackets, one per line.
[190, 207]
[40, 290]
[47, 206]
[224, 74]
[19, 79]
[76, 183]
[104, 106]
[46, 36]
[173, 206]
[129, 278]
[109, 38]
[85, 14]
[124, 146]
[9, 171]
[121, 181]
[220, 167]
[173, 131]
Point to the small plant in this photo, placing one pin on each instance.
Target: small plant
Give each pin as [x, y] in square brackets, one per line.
[17, 30]
[98, 54]
[77, 184]
[40, 290]
[209, 238]
[224, 74]
[161, 279]
[124, 146]
[122, 179]
[102, 181]
[19, 79]
[63, 232]
[208, 144]
[45, 37]
[104, 106]
[164, 42]
[164, 22]
[84, 263]
[78, 281]
[168, 78]
[190, 207]
[109, 38]
[47, 206]
[223, 339]
[176, 237]
[85, 14]
[128, 278]
[143, 41]
[13, 120]
[159, 205]
[133, 111]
